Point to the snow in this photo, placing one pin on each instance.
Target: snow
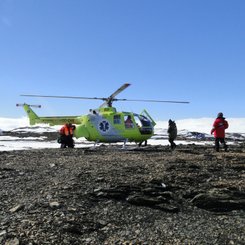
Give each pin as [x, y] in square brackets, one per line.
[204, 125]
[201, 126]
[25, 145]
[7, 124]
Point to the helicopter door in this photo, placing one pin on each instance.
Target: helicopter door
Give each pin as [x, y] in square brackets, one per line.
[146, 115]
[144, 124]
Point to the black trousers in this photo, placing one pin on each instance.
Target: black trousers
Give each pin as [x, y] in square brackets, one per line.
[67, 141]
[172, 144]
[217, 143]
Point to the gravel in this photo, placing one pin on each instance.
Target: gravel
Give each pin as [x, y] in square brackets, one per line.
[108, 195]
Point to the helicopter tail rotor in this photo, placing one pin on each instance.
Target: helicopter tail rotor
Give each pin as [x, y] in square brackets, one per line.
[36, 106]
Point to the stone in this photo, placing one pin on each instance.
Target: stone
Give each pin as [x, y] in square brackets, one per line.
[54, 204]
[17, 208]
[14, 241]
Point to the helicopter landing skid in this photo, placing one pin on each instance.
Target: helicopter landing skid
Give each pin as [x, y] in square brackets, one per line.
[95, 143]
[124, 143]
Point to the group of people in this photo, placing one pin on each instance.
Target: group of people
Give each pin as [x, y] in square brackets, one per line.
[218, 129]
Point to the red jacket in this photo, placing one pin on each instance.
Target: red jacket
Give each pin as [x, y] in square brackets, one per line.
[219, 126]
[66, 130]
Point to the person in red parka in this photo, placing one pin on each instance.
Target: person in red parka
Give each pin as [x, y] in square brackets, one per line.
[66, 136]
[219, 127]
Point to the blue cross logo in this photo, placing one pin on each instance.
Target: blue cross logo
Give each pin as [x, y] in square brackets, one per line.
[104, 126]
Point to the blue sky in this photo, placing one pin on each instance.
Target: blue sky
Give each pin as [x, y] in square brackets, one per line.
[168, 50]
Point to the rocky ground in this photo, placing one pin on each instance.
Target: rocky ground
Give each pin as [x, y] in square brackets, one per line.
[108, 195]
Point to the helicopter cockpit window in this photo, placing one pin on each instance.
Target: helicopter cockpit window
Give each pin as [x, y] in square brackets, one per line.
[128, 122]
[117, 119]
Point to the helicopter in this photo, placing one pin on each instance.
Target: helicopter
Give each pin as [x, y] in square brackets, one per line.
[104, 124]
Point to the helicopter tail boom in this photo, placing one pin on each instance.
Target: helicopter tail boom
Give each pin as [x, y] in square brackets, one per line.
[30, 113]
[58, 120]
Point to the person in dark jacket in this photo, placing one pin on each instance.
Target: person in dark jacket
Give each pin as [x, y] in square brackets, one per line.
[172, 133]
[219, 127]
[66, 136]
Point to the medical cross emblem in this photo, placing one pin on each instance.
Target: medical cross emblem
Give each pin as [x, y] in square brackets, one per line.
[104, 126]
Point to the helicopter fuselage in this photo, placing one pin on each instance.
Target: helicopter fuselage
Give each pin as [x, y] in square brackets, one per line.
[103, 125]
[108, 125]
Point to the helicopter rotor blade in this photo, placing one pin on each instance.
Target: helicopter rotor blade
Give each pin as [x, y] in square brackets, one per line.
[63, 97]
[124, 86]
[108, 101]
[161, 101]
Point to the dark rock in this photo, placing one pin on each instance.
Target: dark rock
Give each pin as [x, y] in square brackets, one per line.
[143, 201]
[108, 196]
[220, 200]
